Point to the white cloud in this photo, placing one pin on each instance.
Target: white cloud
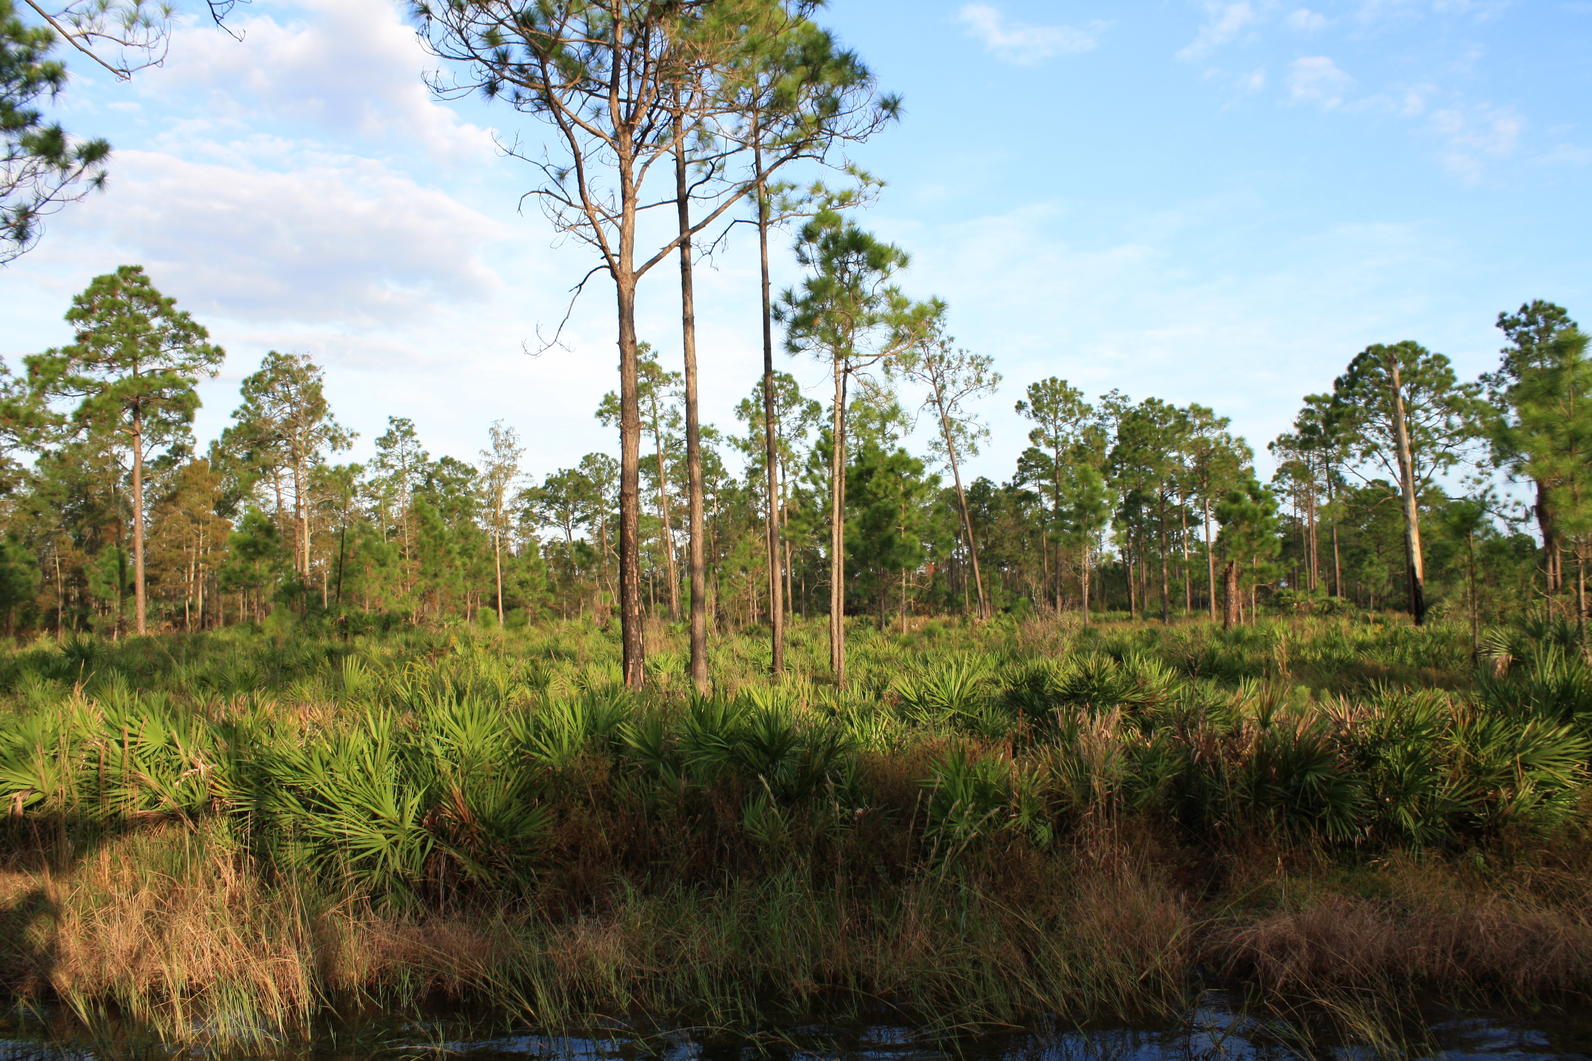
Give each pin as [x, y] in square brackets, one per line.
[1307, 21]
[337, 239]
[347, 68]
[1024, 44]
[1317, 79]
[1477, 136]
[1223, 22]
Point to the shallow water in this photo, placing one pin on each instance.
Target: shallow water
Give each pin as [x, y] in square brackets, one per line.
[1214, 1030]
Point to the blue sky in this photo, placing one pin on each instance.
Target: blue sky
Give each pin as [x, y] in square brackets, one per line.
[1212, 202]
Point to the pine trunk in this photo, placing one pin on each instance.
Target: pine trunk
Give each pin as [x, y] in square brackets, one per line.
[633, 647]
[837, 531]
[776, 606]
[1210, 559]
[1412, 517]
[1230, 595]
[696, 560]
[138, 522]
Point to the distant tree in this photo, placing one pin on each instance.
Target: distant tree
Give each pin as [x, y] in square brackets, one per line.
[1528, 360]
[132, 371]
[1248, 516]
[847, 313]
[397, 469]
[954, 377]
[500, 467]
[19, 580]
[1152, 439]
[1547, 428]
[20, 420]
[1065, 464]
[889, 496]
[257, 563]
[1218, 462]
[187, 537]
[1401, 408]
[795, 418]
[285, 427]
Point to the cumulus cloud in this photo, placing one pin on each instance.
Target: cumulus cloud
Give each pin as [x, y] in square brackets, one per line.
[1317, 79]
[1223, 22]
[350, 68]
[1024, 44]
[338, 239]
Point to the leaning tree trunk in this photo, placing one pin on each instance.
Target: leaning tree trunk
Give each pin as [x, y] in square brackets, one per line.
[696, 561]
[1412, 517]
[961, 500]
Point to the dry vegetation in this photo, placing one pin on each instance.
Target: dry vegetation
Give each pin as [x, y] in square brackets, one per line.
[226, 835]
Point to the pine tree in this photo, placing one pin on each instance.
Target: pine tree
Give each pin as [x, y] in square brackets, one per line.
[132, 371]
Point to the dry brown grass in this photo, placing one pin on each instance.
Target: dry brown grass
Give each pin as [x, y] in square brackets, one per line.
[1413, 929]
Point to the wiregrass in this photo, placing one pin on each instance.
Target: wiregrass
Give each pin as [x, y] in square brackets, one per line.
[223, 835]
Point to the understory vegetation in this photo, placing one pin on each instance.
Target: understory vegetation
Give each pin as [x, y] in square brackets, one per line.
[226, 834]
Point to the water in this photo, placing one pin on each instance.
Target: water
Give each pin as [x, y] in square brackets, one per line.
[1215, 1029]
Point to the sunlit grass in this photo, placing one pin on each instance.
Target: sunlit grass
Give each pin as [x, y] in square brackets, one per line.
[990, 823]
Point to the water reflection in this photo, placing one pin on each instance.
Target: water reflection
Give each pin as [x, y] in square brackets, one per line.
[1213, 1030]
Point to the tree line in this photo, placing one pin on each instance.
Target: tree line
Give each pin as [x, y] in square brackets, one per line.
[115, 524]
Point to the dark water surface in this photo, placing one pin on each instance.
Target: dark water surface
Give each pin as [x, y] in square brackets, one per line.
[1214, 1030]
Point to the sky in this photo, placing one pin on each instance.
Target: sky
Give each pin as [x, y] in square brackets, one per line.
[1199, 201]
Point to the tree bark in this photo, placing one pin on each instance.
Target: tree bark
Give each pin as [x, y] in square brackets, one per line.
[666, 514]
[138, 522]
[1552, 558]
[1315, 545]
[1230, 594]
[837, 531]
[633, 646]
[1337, 558]
[497, 570]
[696, 560]
[776, 605]
[1083, 578]
[1412, 517]
[1188, 581]
[1166, 593]
[1210, 559]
